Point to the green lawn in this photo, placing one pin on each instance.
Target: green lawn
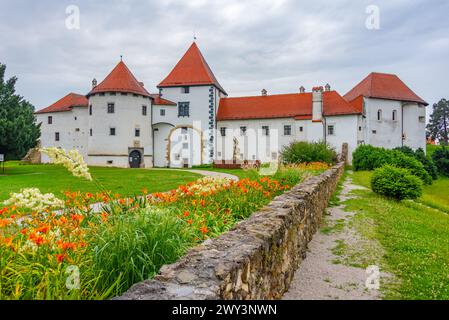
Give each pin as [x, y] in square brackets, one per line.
[56, 179]
[415, 239]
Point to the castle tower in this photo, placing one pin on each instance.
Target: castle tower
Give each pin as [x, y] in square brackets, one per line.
[190, 124]
[119, 121]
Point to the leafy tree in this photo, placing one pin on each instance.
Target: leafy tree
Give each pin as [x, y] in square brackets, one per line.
[438, 127]
[18, 129]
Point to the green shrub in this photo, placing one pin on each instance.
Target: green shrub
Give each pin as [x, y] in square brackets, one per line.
[441, 159]
[427, 162]
[419, 155]
[401, 160]
[367, 157]
[304, 152]
[396, 183]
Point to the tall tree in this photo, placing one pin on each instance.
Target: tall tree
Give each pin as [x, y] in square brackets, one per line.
[438, 127]
[18, 129]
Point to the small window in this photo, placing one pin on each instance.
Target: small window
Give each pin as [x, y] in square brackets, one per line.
[184, 130]
[102, 94]
[422, 119]
[185, 90]
[90, 110]
[274, 156]
[77, 129]
[266, 130]
[137, 132]
[177, 156]
[301, 129]
[394, 115]
[223, 131]
[135, 95]
[112, 131]
[331, 130]
[90, 132]
[124, 94]
[379, 115]
[162, 112]
[185, 146]
[50, 120]
[219, 154]
[76, 118]
[360, 128]
[144, 110]
[56, 136]
[287, 130]
[112, 93]
[183, 109]
[374, 131]
[110, 162]
[243, 131]
[111, 108]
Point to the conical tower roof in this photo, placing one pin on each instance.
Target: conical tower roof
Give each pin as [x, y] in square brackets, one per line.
[191, 70]
[120, 80]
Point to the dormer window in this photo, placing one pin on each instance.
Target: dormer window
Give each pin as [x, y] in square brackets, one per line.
[185, 90]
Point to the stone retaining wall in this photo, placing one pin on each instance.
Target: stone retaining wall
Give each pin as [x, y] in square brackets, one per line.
[257, 258]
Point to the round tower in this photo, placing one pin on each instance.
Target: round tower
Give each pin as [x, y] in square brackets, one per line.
[119, 117]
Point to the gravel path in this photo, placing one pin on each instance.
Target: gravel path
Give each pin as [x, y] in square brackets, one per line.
[214, 174]
[321, 274]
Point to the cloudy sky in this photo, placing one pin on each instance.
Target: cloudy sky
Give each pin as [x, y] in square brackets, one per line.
[274, 44]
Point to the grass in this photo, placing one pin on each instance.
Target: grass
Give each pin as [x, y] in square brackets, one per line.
[415, 240]
[57, 180]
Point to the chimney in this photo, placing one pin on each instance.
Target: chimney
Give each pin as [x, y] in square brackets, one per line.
[327, 87]
[302, 89]
[94, 83]
[317, 102]
[264, 92]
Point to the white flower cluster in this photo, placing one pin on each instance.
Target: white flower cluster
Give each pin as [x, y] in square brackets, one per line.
[33, 199]
[206, 185]
[72, 161]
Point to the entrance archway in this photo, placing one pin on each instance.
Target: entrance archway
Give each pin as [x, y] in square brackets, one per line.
[135, 158]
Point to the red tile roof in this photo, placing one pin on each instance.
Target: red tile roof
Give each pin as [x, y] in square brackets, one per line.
[334, 104]
[157, 100]
[120, 80]
[191, 70]
[297, 105]
[66, 104]
[384, 86]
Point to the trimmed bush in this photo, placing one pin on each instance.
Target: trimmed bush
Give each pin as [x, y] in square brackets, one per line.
[420, 155]
[305, 152]
[400, 160]
[396, 183]
[367, 157]
[441, 160]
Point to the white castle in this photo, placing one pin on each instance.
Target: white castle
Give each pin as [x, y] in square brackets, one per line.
[192, 121]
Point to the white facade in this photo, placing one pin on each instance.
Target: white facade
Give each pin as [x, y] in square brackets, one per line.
[69, 127]
[114, 134]
[255, 145]
[391, 124]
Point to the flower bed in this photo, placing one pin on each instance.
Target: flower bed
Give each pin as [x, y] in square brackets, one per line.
[43, 255]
